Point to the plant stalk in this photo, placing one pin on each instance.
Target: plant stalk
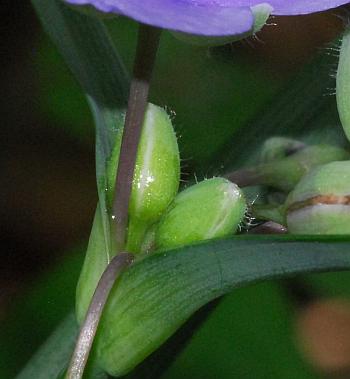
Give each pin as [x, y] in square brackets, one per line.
[147, 46]
[269, 227]
[89, 327]
[246, 177]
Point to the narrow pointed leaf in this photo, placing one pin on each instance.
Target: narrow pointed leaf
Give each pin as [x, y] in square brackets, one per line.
[90, 54]
[161, 292]
[51, 358]
[164, 290]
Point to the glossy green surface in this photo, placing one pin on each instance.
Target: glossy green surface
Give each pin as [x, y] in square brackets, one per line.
[343, 83]
[212, 208]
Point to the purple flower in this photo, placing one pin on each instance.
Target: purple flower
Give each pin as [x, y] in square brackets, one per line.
[205, 17]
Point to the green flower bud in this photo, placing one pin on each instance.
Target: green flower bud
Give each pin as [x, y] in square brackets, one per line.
[320, 203]
[261, 13]
[284, 174]
[156, 177]
[343, 83]
[131, 331]
[279, 148]
[155, 184]
[210, 209]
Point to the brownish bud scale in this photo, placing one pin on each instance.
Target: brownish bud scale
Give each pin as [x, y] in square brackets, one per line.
[320, 203]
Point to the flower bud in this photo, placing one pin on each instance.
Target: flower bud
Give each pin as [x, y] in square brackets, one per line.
[343, 83]
[156, 176]
[261, 13]
[210, 209]
[285, 173]
[279, 148]
[320, 203]
[155, 184]
[135, 325]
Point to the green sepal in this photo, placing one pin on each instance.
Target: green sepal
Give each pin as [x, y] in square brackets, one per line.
[279, 148]
[261, 12]
[284, 174]
[210, 209]
[343, 83]
[156, 177]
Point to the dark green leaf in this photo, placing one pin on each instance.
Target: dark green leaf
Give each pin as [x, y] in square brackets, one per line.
[35, 312]
[89, 52]
[52, 357]
[166, 288]
[249, 335]
[179, 282]
[299, 109]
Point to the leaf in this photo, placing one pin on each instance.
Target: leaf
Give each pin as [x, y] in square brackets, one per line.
[162, 291]
[53, 355]
[89, 52]
[296, 109]
[249, 335]
[35, 313]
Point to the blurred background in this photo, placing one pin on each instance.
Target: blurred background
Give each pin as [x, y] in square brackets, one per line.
[48, 196]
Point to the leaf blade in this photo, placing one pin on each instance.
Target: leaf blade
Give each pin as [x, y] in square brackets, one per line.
[166, 288]
[172, 276]
[90, 54]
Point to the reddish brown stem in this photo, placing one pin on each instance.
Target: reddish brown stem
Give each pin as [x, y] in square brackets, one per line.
[269, 227]
[246, 177]
[92, 318]
[147, 47]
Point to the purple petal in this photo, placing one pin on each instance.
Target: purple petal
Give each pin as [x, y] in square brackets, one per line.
[295, 7]
[286, 7]
[201, 17]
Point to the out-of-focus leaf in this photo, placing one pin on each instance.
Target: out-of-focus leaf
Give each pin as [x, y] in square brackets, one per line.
[51, 358]
[89, 52]
[60, 99]
[297, 110]
[35, 312]
[249, 335]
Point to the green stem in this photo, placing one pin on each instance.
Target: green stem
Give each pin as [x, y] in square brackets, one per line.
[269, 212]
[147, 47]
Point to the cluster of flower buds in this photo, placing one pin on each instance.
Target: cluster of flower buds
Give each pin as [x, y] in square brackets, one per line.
[317, 178]
[314, 185]
[287, 161]
[160, 218]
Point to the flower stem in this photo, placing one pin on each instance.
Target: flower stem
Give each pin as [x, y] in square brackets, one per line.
[269, 227]
[147, 46]
[92, 318]
[246, 177]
